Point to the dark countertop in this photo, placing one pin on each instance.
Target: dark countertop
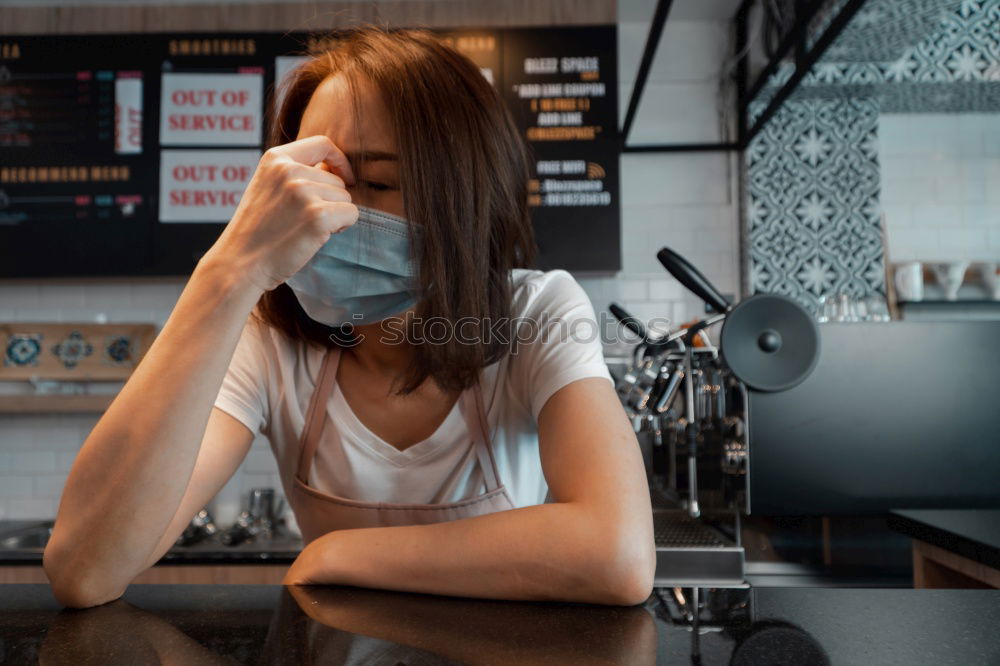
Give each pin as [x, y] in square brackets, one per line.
[283, 548]
[263, 624]
[972, 533]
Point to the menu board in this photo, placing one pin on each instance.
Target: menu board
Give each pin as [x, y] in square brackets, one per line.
[127, 154]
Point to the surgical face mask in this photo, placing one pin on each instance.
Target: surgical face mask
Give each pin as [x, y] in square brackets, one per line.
[361, 275]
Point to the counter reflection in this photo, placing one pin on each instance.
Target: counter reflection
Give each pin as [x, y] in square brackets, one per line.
[342, 625]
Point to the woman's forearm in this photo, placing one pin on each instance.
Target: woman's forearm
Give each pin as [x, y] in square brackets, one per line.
[132, 471]
[554, 551]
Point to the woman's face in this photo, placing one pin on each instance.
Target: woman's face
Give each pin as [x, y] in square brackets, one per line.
[329, 112]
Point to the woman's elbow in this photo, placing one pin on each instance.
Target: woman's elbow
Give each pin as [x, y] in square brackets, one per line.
[73, 587]
[82, 594]
[628, 571]
[631, 586]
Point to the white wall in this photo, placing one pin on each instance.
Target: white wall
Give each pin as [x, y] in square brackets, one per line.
[684, 200]
[941, 185]
[37, 451]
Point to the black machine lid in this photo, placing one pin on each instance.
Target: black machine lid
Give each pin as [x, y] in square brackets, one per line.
[770, 342]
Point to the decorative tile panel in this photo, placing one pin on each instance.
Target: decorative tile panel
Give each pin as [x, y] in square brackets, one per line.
[950, 62]
[813, 182]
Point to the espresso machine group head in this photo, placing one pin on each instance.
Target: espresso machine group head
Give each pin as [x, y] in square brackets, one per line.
[769, 341]
[696, 448]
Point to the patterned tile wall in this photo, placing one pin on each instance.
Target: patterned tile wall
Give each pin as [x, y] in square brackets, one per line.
[813, 210]
[813, 172]
[951, 66]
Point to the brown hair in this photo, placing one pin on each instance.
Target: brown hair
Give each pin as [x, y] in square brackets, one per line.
[463, 174]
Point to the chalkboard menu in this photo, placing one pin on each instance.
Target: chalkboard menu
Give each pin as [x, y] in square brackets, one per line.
[127, 154]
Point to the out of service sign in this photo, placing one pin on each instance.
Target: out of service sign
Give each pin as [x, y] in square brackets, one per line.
[203, 185]
[211, 109]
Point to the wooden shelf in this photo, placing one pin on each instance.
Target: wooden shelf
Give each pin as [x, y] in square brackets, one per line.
[957, 301]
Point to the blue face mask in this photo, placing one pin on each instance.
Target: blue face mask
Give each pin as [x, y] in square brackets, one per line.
[361, 275]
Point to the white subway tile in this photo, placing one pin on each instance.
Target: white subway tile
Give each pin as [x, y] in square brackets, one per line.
[711, 219]
[978, 215]
[991, 169]
[27, 462]
[31, 508]
[898, 217]
[82, 314]
[57, 437]
[17, 434]
[155, 294]
[667, 289]
[108, 295]
[894, 135]
[675, 112]
[994, 240]
[899, 191]
[675, 178]
[971, 134]
[36, 313]
[49, 485]
[965, 240]
[638, 254]
[260, 461]
[682, 242]
[629, 289]
[64, 460]
[937, 216]
[15, 485]
[60, 294]
[894, 167]
[972, 188]
[17, 294]
[950, 182]
[688, 50]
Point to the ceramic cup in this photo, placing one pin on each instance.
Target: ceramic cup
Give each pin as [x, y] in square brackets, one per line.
[990, 277]
[910, 281]
[949, 275]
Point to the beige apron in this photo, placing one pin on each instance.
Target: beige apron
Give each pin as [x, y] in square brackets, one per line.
[318, 513]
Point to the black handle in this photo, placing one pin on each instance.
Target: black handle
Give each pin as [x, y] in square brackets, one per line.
[627, 320]
[690, 277]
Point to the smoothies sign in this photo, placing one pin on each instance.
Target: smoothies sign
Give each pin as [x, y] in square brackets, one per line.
[130, 157]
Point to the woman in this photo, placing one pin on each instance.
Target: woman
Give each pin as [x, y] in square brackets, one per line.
[367, 309]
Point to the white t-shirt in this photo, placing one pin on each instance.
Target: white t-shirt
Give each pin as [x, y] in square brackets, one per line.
[271, 379]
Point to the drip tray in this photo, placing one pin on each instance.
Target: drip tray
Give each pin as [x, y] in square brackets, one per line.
[692, 553]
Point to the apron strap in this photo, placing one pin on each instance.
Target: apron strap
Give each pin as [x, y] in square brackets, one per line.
[316, 412]
[316, 415]
[481, 437]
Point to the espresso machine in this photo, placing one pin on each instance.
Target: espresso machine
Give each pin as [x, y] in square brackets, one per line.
[688, 401]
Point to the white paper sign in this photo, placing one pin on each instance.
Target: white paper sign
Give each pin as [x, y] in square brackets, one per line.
[128, 113]
[203, 185]
[211, 109]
